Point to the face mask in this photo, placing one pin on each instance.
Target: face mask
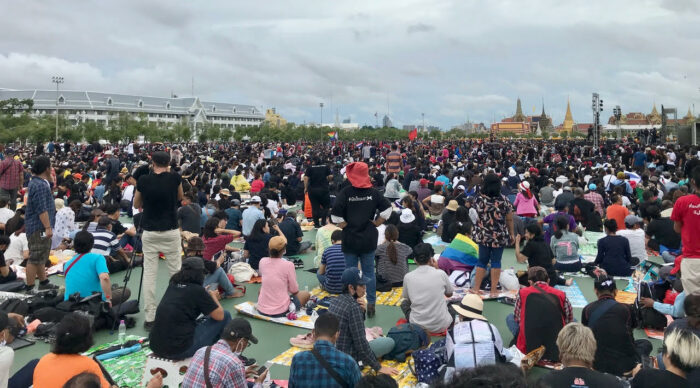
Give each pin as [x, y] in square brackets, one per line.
[236, 352]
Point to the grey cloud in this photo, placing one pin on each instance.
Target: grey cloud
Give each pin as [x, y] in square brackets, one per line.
[419, 27]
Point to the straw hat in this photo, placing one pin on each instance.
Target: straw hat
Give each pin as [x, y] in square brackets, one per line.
[471, 306]
[452, 205]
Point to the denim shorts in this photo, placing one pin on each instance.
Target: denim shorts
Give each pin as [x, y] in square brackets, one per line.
[489, 255]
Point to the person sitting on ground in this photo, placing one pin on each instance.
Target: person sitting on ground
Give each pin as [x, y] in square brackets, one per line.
[680, 357]
[279, 291]
[562, 211]
[251, 215]
[308, 371]
[447, 219]
[87, 272]
[526, 204]
[538, 254]
[6, 273]
[463, 253]
[577, 350]
[435, 203]
[124, 234]
[177, 333]
[612, 325]
[540, 313]
[349, 308]
[661, 236]
[332, 265]
[257, 243]
[634, 233]
[564, 245]
[107, 245]
[470, 319]
[219, 365]
[216, 238]
[424, 292]
[189, 215]
[614, 254]
[73, 337]
[235, 216]
[392, 258]
[409, 231]
[215, 275]
[18, 250]
[292, 231]
[65, 221]
[617, 211]
[324, 240]
[691, 321]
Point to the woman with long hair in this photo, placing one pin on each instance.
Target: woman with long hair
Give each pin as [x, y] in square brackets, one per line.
[493, 231]
[216, 238]
[392, 188]
[256, 245]
[564, 246]
[538, 254]
[614, 255]
[392, 255]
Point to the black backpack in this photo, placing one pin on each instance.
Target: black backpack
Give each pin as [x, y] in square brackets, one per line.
[648, 317]
[15, 305]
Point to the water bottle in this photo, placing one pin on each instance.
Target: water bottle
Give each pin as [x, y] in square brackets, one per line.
[122, 332]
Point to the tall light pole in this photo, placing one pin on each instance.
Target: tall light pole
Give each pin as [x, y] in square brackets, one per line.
[321, 123]
[617, 112]
[597, 107]
[422, 115]
[57, 81]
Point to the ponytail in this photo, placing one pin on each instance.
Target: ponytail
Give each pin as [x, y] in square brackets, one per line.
[392, 234]
[562, 224]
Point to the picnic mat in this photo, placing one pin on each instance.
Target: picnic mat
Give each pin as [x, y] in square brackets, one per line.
[574, 294]
[461, 292]
[303, 321]
[389, 298]
[435, 240]
[127, 370]
[626, 297]
[405, 378]
[658, 334]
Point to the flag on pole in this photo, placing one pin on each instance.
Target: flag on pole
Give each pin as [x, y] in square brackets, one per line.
[413, 134]
[333, 135]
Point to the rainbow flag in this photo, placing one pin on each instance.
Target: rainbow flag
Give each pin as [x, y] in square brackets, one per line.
[333, 135]
[463, 250]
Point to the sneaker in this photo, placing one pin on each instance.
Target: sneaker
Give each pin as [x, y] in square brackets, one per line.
[27, 289]
[47, 286]
[148, 325]
[304, 341]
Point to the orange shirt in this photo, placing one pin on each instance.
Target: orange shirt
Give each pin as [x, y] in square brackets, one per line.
[618, 213]
[54, 370]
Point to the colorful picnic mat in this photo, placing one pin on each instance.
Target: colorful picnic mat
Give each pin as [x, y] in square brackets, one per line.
[303, 321]
[574, 294]
[461, 292]
[389, 298]
[127, 370]
[626, 297]
[405, 378]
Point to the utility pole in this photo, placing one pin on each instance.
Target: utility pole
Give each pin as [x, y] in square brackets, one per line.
[597, 107]
[423, 116]
[57, 81]
[321, 106]
[617, 112]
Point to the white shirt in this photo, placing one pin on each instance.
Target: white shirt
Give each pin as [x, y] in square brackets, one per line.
[5, 214]
[18, 244]
[7, 356]
[638, 247]
[128, 193]
[671, 158]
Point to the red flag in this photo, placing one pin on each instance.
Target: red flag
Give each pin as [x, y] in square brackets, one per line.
[413, 134]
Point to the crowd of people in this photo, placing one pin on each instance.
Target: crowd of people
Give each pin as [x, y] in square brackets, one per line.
[371, 205]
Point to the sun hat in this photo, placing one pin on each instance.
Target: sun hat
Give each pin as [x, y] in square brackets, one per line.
[452, 205]
[277, 243]
[407, 216]
[358, 175]
[471, 306]
[225, 192]
[59, 203]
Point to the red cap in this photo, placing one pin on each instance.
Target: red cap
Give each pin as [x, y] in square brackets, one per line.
[358, 175]
[423, 182]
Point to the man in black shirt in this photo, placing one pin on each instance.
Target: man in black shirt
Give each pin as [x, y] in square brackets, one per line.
[158, 193]
[355, 209]
[612, 324]
[189, 215]
[292, 232]
[316, 186]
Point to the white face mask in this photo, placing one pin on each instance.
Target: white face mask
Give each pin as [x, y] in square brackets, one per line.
[236, 352]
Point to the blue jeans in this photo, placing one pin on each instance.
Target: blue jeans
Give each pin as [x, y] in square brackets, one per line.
[206, 333]
[321, 279]
[486, 255]
[25, 376]
[131, 240]
[366, 261]
[513, 326]
[220, 279]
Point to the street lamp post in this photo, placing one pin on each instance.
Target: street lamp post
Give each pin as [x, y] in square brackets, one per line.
[321, 123]
[422, 115]
[57, 81]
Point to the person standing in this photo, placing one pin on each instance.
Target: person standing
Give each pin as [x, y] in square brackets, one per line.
[158, 193]
[686, 222]
[39, 221]
[316, 186]
[355, 209]
[393, 160]
[11, 178]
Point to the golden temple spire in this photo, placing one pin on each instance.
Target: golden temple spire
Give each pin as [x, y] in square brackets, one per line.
[568, 119]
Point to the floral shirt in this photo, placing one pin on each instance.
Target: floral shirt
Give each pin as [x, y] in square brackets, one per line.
[491, 228]
[65, 224]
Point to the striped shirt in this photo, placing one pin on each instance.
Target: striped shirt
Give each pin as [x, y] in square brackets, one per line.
[393, 273]
[334, 260]
[393, 162]
[105, 241]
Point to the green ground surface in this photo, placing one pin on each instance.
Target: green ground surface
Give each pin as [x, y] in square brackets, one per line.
[274, 338]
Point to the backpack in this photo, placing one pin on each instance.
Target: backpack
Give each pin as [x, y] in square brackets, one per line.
[407, 338]
[648, 317]
[453, 361]
[429, 362]
[242, 272]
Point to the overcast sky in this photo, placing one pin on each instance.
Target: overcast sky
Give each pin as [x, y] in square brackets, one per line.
[448, 59]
